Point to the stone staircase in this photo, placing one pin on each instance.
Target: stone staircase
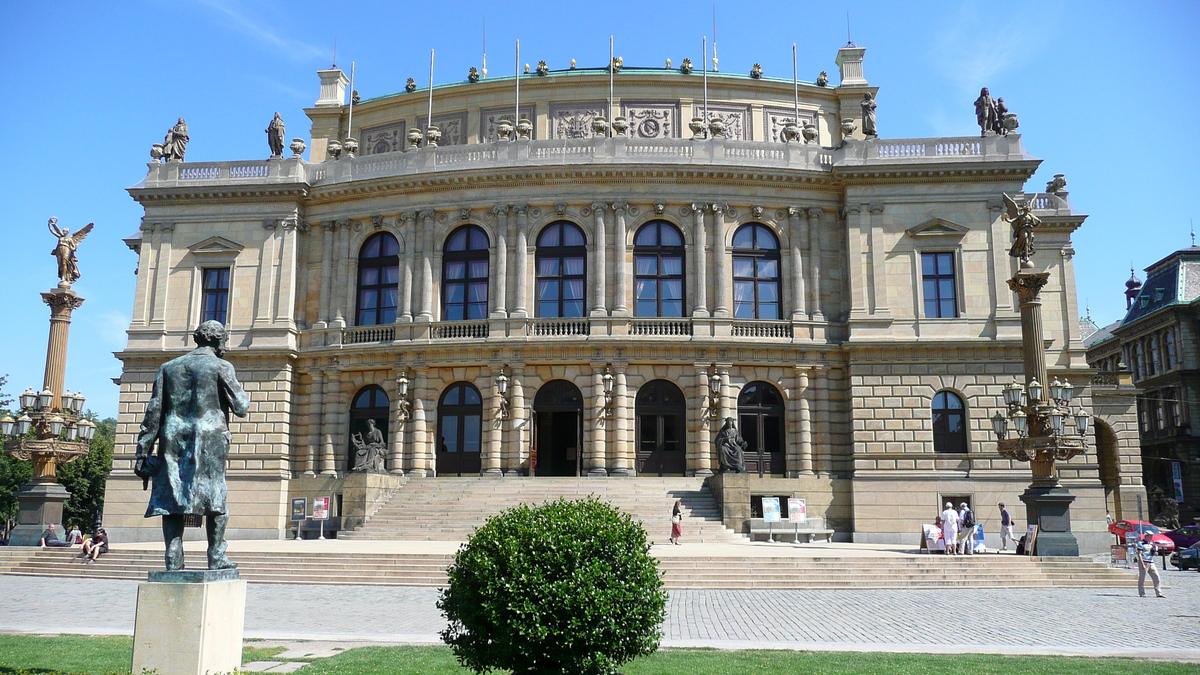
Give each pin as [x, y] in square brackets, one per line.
[449, 509]
[679, 571]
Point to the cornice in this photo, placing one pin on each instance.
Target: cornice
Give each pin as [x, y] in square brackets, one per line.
[221, 193]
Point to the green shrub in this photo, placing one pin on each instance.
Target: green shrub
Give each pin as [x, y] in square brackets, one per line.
[566, 587]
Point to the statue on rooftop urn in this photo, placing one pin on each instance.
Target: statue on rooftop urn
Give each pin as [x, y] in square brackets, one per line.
[174, 146]
[986, 115]
[686, 67]
[756, 72]
[1023, 222]
[473, 75]
[542, 68]
[410, 86]
[68, 264]
[868, 106]
[823, 79]
[276, 135]
[731, 448]
[188, 418]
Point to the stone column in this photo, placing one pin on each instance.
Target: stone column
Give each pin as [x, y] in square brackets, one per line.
[799, 241]
[703, 434]
[803, 421]
[520, 311]
[395, 461]
[266, 275]
[857, 268]
[814, 263]
[329, 422]
[599, 270]
[315, 410]
[324, 311]
[499, 279]
[285, 306]
[620, 266]
[699, 262]
[145, 277]
[519, 412]
[728, 404]
[622, 458]
[493, 428]
[162, 271]
[722, 261]
[822, 424]
[419, 434]
[879, 279]
[62, 302]
[406, 266]
[341, 268]
[594, 464]
[349, 267]
[426, 314]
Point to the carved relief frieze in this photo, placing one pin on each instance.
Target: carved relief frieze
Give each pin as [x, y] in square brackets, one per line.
[382, 138]
[490, 117]
[452, 125]
[775, 118]
[574, 120]
[652, 119]
[736, 119]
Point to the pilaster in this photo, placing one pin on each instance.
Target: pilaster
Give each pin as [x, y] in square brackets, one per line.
[814, 263]
[723, 263]
[699, 262]
[499, 278]
[620, 265]
[426, 314]
[599, 270]
[799, 240]
[520, 310]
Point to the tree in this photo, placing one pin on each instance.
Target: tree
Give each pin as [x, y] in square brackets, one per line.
[85, 478]
[14, 473]
[565, 587]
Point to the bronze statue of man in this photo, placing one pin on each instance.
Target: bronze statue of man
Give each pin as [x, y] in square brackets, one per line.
[868, 106]
[174, 146]
[275, 136]
[188, 416]
[986, 115]
[731, 448]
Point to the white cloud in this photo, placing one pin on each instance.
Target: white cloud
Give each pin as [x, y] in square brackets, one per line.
[978, 43]
[266, 37]
[112, 329]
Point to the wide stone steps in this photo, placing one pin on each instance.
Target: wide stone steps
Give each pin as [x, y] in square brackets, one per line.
[679, 572]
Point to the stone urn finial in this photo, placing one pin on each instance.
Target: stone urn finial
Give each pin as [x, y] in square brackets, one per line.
[297, 147]
[848, 126]
[504, 130]
[716, 127]
[473, 75]
[599, 125]
[524, 129]
[809, 132]
[620, 125]
[542, 68]
[410, 86]
[790, 132]
[686, 67]
[756, 72]
[432, 136]
[414, 139]
[334, 149]
[697, 127]
[350, 145]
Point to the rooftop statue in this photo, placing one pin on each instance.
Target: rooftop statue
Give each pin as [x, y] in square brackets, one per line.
[275, 136]
[823, 79]
[68, 264]
[987, 115]
[868, 116]
[1023, 221]
[410, 86]
[188, 417]
[473, 75]
[731, 448]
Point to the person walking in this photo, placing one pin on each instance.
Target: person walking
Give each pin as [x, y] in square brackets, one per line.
[1006, 528]
[950, 528]
[676, 522]
[966, 537]
[1145, 558]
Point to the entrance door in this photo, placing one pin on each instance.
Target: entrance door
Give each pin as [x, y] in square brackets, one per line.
[558, 434]
[760, 419]
[460, 428]
[660, 411]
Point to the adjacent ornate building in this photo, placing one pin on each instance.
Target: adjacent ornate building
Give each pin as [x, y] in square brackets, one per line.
[571, 296]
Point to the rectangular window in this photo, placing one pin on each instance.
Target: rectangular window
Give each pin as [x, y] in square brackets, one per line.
[937, 278]
[214, 298]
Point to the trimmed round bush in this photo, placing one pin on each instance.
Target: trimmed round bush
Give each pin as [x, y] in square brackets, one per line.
[565, 587]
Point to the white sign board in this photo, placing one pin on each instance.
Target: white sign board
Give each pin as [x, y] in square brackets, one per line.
[320, 508]
[771, 509]
[797, 510]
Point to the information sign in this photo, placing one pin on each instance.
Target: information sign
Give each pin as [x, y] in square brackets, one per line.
[299, 508]
[320, 508]
[1031, 540]
[797, 510]
[771, 509]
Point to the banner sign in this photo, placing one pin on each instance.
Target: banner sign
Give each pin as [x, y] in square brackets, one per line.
[1178, 478]
[299, 508]
[320, 508]
[771, 509]
[797, 510]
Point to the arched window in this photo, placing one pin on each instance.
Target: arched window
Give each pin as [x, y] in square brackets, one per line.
[949, 423]
[1154, 362]
[465, 274]
[368, 420]
[760, 420]
[755, 273]
[1139, 361]
[658, 270]
[561, 270]
[378, 280]
[1169, 350]
[460, 425]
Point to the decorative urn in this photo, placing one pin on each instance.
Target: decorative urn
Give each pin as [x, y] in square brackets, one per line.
[414, 138]
[297, 147]
[716, 126]
[524, 129]
[848, 126]
[504, 130]
[432, 136]
[790, 132]
[599, 125]
[620, 125]
[809, 131]
[697, 127]
[350, 145]
[334, 149]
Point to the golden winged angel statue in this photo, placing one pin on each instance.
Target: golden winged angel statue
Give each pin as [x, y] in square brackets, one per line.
[68, 264]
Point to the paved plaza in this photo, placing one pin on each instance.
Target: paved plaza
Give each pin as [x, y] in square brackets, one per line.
[1093, 622]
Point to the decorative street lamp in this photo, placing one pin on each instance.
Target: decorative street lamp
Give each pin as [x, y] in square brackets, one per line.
[714, 395]
[404, 405]
[1032, 428]
[502, 387]
[607, 381]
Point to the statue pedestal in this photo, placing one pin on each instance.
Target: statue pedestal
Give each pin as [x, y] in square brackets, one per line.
[189, 622]
[1050, 510]
[41, 504]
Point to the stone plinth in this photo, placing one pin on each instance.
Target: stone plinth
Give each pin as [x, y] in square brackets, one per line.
[190, 623]
[41, 504]
[1050, 509]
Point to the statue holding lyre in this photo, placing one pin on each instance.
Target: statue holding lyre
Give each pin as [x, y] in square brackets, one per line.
[68, 264]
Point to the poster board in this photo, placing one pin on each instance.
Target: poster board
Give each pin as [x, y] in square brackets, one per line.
[320, 508]
[299, 508]
[797, 510]
[770, 509]
[1031, 540]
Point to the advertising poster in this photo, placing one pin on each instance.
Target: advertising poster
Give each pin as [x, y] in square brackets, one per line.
[797, 510]
[771, 509]
[299, 508]
[320, 508]
[1177, 476]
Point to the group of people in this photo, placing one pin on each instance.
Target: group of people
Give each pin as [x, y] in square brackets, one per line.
[91, 548]
[957, 529]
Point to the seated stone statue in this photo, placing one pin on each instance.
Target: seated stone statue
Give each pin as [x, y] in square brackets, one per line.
[369, 455]
[732, 448]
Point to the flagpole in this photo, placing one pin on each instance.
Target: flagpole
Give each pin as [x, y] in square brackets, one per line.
[517, 78]
[795, 86]
[704, 63]
[611, 72]
[350, 122]
[429, 118]
[484, 70]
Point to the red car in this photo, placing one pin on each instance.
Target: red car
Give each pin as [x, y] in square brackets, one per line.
[1162, 541]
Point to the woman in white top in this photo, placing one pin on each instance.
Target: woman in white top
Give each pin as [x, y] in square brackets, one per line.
[950, 527]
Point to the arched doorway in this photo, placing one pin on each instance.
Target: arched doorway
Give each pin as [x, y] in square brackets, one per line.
[661, 411]
[371, 403]
[460, 428]
[1110, 468]
[760, 419]
[558, 430]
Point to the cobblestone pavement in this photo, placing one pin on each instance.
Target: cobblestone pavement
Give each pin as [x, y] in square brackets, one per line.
[996, 620]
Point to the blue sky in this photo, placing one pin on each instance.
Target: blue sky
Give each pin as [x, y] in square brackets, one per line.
[1107, 93]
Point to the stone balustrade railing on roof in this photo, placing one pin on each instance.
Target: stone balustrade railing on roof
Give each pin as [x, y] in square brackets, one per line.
[585, 151]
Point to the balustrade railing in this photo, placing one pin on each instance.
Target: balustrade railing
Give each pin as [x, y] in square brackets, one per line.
[557, 327]
[761, 329]
[358, 335]
[458, 330]
[667, 327]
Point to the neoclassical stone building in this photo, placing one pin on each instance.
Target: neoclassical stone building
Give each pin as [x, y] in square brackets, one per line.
[568, 299]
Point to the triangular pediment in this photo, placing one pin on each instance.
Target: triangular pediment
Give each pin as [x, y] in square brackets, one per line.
[937, 227]
[215, 245]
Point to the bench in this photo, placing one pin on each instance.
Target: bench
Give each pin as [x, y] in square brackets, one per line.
[808, 531]
[311, 529]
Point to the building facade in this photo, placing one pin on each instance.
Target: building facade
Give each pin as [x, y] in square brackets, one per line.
[574, 297]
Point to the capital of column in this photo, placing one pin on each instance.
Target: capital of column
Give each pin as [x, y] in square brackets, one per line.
[330, 226]
[876, 208]
[270, 224]
[165, 228]
[62, 303]
[426, 214]
[599, 207]
[405, 218]
[814, 212]
[620, 207]
[500, 210]
[720, 208]
[697, 208]
[795, 211]
[1028, 286]
[521, 209]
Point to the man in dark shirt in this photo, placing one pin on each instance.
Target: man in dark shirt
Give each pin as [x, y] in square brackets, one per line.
[50, 537]
[1006, 528]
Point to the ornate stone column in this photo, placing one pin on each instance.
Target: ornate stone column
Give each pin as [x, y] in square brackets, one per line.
[395, 461]
[285, 304]
[804, 420]
[349, 267]
[622, 458]
[728, 404]
[518, 422]
[162, 271]
[879, 280]
[599, 270]
[324, 311]
[699, 262]
[799, 241]
[723, 263]
[418, 433]
[406, 266]
[499, 280]
[315, 414]
[341, 266]
[857, 272]
[702, 441]
[814, 263]
[266, 275]
[493, 428]
[426, 314]
[620, 266]
[520, 310]
[594, 464]
[145, 277]
[329, 422]
[62, 302]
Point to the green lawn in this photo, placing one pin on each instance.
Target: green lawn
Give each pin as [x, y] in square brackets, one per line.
[80, 655]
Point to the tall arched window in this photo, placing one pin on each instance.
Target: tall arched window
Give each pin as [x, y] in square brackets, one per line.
[760, 419]
[661, 412]
[460, 425]
[1154, 362]
[561, 270]
[378, 280]
[658, 270]
[1169, 350]
[949, 423]
[368, 421]
[465, 274]
[755, 273]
